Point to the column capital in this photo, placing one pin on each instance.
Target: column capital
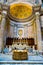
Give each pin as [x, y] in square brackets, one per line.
[37, 8]
[37, 13]
[4, 13]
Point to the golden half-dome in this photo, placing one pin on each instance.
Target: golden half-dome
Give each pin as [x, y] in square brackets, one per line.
[20, 10]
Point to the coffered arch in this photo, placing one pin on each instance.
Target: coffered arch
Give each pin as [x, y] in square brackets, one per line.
[20, 11]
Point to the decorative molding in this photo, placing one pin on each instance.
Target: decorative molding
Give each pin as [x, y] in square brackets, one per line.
[5, 7]
[28, 24]
[37, 8]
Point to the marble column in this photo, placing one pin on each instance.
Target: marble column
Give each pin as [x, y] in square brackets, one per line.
[39, 40]
[35, 32]
[2, 30]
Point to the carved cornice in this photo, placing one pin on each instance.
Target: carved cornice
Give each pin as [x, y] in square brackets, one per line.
[36, 8]
[4, 7]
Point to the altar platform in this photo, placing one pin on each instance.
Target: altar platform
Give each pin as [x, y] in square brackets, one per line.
[6, 59]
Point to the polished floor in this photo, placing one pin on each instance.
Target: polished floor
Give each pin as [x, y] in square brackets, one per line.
[6, 59]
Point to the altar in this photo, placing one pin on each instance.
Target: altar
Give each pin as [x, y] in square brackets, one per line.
[20, 55]
[20, 33]
[6, 59]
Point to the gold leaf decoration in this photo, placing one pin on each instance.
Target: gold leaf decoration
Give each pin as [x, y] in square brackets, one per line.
[20, 10]
[20, 32]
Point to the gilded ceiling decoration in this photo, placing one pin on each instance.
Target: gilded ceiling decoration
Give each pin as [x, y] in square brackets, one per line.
[20, 10]
[20, 32]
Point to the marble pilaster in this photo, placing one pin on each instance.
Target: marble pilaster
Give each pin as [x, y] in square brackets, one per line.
[38, 31]
[35, 32]
[2, 30]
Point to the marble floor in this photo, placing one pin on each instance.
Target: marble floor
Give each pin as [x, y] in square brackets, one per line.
[6, 59]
